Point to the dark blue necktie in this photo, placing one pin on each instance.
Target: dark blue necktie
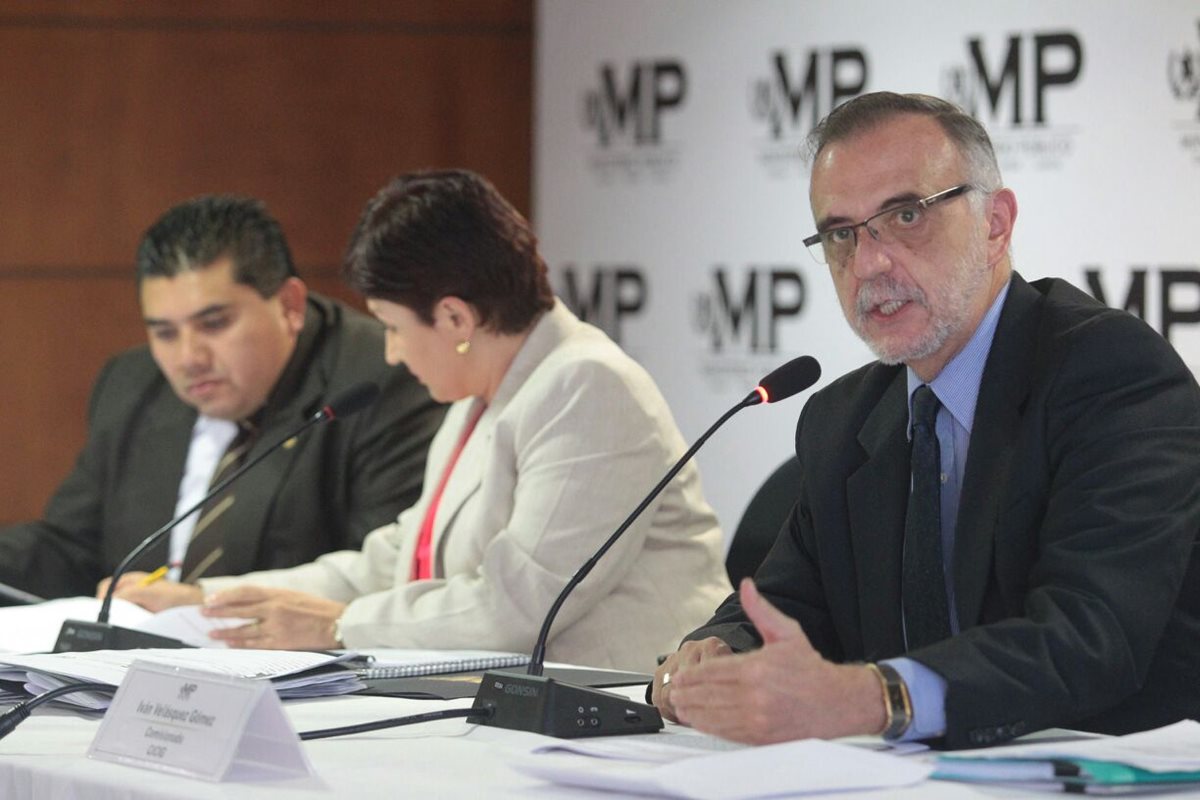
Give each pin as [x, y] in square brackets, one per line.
[923, 586]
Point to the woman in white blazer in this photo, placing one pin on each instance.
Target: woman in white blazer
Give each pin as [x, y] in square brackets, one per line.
[554, 435]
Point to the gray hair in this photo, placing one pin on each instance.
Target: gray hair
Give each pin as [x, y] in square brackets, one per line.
[870, 110]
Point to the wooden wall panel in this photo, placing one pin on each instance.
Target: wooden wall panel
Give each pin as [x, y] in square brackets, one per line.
[111, 112]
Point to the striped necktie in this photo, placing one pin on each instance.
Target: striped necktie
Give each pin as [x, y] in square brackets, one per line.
[207, 545]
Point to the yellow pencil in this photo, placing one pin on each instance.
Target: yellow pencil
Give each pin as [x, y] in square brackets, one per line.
[157, 575]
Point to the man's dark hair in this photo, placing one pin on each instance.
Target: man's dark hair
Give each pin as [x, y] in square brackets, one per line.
[870, 110]
[200, 231]
[429, 235]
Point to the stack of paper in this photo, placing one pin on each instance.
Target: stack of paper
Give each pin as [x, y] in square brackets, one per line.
[294, 674]
[1165, 758]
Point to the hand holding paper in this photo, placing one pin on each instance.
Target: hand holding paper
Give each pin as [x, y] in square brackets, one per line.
[151, 592]
[159, 595]
[285, 619]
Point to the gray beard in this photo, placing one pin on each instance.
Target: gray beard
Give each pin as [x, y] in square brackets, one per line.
[969, 277]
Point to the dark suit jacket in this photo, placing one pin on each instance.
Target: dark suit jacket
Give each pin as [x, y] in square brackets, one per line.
[1075, 554]
[326, 492]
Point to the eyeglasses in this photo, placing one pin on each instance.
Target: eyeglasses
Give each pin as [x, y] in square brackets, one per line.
[906, 224]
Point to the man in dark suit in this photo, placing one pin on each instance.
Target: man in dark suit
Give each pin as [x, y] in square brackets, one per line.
[239, 354]
[995, 527]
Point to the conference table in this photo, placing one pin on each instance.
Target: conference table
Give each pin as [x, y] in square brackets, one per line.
[46, 758]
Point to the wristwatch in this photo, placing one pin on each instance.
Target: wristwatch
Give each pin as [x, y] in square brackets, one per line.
[896, 701]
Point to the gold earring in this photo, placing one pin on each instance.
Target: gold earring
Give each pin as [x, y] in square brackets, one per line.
[463, 347]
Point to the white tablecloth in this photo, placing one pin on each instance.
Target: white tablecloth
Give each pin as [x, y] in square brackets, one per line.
[45, 758]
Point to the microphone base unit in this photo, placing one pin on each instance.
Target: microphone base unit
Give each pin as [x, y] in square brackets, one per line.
[537, 704]
[79, 636]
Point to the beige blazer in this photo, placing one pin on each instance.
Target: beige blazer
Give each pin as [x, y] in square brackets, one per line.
[576, 435]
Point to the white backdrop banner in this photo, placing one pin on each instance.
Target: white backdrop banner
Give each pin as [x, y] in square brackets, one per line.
[671, 197]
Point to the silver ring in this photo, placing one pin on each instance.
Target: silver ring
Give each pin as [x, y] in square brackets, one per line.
[666, 679]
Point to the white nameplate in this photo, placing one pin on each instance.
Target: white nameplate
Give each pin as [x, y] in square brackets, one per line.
[200, 724]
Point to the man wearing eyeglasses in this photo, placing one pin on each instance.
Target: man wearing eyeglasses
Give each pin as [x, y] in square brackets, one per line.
[996, 522]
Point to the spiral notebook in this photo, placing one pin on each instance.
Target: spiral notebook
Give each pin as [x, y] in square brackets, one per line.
[413, 663]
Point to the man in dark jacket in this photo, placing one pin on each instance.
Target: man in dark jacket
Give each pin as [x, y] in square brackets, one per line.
[239, 354]
[995, 526]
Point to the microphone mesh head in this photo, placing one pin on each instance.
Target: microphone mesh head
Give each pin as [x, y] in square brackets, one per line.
[352, 400]
[793, 377]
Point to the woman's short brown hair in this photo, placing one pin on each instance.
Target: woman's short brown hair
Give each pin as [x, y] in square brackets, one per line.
[429, 235]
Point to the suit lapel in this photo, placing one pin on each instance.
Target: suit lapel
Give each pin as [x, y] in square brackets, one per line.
[1003, 391]
[465, 479]
[153, 469]
[245, 523]
[553, 328]
[877, 495]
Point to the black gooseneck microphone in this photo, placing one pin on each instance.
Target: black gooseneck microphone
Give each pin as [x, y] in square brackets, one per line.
[78, 635]
[534, 703]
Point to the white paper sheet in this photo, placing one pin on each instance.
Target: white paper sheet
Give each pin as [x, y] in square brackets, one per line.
[679, 742]
[186, 624]
[34, 629]
[793, 768]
